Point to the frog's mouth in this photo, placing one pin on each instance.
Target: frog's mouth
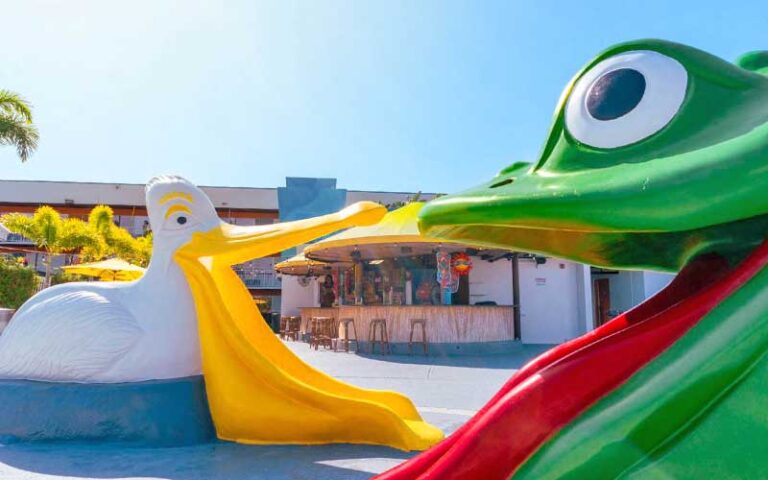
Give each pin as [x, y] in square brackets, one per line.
[463, 218]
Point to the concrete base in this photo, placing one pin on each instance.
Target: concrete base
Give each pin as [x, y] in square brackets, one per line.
[446, 390]
[155, 413]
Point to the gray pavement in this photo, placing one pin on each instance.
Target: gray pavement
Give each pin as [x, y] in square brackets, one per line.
[447, 391]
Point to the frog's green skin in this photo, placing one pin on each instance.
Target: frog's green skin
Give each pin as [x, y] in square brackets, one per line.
[699, 184]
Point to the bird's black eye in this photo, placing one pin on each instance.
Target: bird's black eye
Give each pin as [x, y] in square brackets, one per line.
[615, 94]
[181, 220]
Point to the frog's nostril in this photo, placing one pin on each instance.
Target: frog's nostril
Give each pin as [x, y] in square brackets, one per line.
[501, 183]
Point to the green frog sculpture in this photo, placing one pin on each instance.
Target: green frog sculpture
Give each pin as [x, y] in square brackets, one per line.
[657, 158]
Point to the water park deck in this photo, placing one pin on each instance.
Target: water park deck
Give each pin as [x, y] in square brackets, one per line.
[446, 390]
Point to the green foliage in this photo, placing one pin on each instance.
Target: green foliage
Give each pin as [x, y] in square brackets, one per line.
[94, 240]
[16, 126]
[52, 233]
[395, 205]
[115, 241]
[63, 277]
[17, 283]
[144, 250]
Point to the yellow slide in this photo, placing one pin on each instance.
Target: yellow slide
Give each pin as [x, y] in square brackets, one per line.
[259, 391]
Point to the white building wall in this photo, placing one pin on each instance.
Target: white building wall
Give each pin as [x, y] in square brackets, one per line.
[626, 289]
[586, 312]
[294, 295]
[491, 281]
[86, 193]
[655, 281]
[91, 193]
[630, 288]
[549, 301]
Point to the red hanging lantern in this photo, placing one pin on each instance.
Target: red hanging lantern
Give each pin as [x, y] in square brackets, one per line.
[462, 263]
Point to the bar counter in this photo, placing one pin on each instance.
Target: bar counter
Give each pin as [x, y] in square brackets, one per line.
[446, 324]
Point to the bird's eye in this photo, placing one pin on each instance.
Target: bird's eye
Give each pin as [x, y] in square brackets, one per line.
[625, 99]
[180, 221]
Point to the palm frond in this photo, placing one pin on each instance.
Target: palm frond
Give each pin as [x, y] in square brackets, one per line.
[20, 224]
[47, 226]
[76, 234]
[102, 218]
[22, 135]
[13, 104]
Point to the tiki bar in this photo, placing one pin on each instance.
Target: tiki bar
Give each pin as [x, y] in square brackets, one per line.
[393, 290]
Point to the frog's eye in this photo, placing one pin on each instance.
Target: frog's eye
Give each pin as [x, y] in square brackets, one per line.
[625, 98]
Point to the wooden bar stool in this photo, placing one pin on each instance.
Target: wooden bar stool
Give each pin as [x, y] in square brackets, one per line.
[422, 322]
[292, 328]
[322, 333]
[379, 324]
[344, 324]
[310, 329]
[283, 327]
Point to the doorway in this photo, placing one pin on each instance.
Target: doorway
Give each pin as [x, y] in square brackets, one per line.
[602, 296]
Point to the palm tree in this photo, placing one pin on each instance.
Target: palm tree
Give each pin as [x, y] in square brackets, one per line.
[52, 233]
[16, 124]
[115, 241]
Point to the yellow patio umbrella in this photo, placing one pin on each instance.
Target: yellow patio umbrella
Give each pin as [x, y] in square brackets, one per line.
[300, 265]
[107, 270]
[396, 235]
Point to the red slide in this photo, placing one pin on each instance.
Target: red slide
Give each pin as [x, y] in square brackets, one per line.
[557, 386]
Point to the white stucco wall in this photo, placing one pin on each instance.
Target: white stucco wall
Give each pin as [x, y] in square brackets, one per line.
[90, 193]
[490, 282]
[294, 295]
[626, 288]
[586, 312]
[655, 281]
[630, 288]
[549, 301]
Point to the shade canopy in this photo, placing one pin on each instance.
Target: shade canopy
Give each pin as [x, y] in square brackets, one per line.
[107, 270]
[300, 265]
[396, 235]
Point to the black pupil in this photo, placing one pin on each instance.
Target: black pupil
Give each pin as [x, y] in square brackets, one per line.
[616, 94]
[181, 220]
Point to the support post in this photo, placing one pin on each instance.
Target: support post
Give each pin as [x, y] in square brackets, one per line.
[516, 294]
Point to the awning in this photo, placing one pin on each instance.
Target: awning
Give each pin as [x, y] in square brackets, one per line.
[107, 270]
[396, 235]
[300, 265]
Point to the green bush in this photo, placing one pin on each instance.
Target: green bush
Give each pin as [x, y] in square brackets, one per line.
[60, 276]
[17, 284]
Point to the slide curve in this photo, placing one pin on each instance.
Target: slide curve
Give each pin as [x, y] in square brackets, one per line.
[260, 392]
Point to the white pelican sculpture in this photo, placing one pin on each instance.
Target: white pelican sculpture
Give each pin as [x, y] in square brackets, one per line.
[190, 314]
[108, 332]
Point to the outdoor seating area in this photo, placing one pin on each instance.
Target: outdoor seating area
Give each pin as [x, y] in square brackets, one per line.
[340, 334]
[400, 289]
[290, 328]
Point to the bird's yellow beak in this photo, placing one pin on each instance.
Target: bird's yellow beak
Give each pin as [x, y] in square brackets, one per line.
[232, 244]
[241, 354]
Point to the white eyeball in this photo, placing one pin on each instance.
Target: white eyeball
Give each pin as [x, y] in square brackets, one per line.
[625, 98]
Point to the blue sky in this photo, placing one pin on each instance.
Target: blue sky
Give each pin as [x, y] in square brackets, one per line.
[402, 96]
